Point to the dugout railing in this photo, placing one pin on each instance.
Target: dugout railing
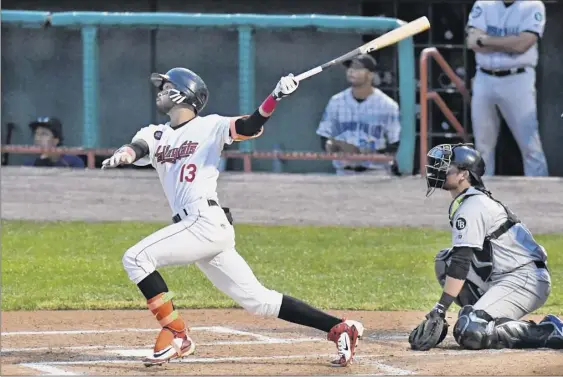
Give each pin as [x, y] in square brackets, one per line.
[425, 96]
[90, 22]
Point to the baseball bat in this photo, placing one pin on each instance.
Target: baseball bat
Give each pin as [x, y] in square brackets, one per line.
[393, 36]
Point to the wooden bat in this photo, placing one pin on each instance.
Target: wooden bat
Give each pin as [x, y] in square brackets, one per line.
[393, 36]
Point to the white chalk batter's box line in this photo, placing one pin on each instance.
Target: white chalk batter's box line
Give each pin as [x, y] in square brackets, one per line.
[54, 368]
[212, 329]
[260, 339]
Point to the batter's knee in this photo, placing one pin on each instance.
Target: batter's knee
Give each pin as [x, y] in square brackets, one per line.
[473, 329]
[137, 264]
[263, 302]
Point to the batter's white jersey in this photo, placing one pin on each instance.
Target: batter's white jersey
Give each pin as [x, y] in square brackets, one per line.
[186, 158]
[500, 20]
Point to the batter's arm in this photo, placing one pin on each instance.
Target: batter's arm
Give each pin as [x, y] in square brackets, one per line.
[140, 149]
[127, 154]
[249, 127]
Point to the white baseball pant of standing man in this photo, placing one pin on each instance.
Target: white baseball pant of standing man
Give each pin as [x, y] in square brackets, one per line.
[504, 36]
[185, 153]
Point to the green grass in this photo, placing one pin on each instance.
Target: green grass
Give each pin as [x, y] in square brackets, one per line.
[77, 265]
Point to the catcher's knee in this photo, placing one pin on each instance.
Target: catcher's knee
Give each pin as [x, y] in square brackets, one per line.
[262, 302]
[473, 329]
[137, 264]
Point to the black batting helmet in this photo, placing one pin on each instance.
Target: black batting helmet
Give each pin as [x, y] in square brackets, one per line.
[189, 88]
[463, 156]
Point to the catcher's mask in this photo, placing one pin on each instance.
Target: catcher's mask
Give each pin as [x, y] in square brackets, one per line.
[441, 158]
[187, 88]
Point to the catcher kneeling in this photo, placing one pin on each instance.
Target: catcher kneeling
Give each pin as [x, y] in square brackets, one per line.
[495, 269]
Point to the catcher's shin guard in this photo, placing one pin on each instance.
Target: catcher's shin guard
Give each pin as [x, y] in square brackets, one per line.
[475, 330]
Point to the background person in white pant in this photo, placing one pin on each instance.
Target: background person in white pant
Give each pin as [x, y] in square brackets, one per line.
[504, 36]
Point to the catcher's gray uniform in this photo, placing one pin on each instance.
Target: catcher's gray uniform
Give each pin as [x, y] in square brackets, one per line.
[508, 278]
[508, 275]
[503, 268]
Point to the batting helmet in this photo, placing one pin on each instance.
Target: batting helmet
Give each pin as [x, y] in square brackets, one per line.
[463, 156]
[189, 88]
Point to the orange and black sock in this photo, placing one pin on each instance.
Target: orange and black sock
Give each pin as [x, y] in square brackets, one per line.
[159, 302]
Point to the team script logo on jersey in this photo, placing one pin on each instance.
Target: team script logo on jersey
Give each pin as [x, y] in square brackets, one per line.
[167, 154]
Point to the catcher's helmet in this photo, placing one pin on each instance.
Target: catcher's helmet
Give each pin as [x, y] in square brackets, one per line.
[463, 156]
[189, 88]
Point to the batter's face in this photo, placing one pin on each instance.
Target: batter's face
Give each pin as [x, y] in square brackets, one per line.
[161, 94]
[44, 137]
[163, 102]
[357, 75]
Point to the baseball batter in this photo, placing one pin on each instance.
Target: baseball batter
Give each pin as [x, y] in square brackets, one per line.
[185, 153]
[495, 269]
[504, 36]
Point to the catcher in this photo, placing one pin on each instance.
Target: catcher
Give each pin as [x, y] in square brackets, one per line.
[495, 270]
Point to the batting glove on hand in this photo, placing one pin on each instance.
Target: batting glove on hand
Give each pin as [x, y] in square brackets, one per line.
[285, 87]
[120, 157]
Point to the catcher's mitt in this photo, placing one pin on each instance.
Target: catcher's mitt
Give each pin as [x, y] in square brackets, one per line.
[430, 332]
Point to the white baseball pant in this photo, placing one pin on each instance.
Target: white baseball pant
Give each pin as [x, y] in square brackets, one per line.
[515, 97]
[207, 239]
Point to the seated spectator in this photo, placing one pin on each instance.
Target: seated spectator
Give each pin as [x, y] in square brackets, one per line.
[361, 119]
[48, 133]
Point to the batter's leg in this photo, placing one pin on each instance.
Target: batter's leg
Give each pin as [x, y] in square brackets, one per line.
[230, 273]
[178, 244]
[518, 106]
[484, 119]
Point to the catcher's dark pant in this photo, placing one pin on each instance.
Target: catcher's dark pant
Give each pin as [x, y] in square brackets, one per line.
[475, 330]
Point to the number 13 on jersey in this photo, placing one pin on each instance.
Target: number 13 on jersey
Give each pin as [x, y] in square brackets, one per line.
[187, 172]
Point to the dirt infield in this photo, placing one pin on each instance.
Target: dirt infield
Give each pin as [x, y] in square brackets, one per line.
[232, 342]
